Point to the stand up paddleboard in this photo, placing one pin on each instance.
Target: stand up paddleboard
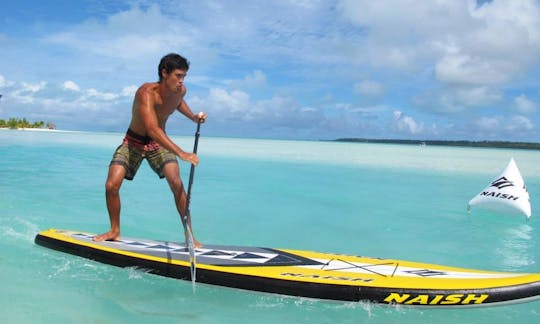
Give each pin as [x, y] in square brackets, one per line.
[307, 274]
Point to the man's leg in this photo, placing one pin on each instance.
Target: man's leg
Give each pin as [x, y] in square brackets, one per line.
[112, 197]
[172, 174]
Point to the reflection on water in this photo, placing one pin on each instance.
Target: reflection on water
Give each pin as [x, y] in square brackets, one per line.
[516, 250]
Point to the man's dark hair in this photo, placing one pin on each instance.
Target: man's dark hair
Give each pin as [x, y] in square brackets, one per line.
[171, 62]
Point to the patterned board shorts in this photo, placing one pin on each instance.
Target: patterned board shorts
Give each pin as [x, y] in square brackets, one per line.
[132, 151]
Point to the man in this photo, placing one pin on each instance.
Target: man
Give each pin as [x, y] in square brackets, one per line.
[146, 138]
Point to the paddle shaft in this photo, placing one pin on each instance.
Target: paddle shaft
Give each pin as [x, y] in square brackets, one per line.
[192, 171]
[187, 215]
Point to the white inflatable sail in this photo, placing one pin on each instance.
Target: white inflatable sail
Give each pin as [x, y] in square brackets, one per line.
[506, 194]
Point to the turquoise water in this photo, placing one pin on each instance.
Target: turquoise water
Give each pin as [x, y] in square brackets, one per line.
[391, 201]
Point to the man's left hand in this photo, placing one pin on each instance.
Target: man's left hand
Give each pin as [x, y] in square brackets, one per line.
[200, 116]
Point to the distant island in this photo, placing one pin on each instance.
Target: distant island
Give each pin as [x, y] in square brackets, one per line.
[16, 123]
[487, 144]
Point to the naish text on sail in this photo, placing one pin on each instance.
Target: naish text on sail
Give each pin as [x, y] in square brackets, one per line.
[499, 195]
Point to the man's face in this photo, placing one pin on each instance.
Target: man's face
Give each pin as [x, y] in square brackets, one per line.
[175, 79]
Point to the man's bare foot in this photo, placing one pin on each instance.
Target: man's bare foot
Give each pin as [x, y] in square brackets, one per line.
[109, 236]
[196, 244]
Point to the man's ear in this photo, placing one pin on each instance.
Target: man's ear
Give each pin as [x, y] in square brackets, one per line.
[163, 73]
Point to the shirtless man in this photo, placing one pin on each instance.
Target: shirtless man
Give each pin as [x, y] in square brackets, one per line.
[146, 138]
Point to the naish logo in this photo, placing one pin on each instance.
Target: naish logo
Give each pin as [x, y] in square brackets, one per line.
[499, 195]
[425, 299]
[502, 182]
[316, 276]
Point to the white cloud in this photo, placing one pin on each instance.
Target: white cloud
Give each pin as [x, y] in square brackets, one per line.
[256, 79]
[32, 87]
[406, 124]
[519, 123]
[226, 104]
[524, 105]
[451, 100]
[237, 106]
[37, 99]
[26, 93]
[394, 36]
[488, 123]
[123, 35]
[129, 91]
[5, 83]
[504, 39]
[70, 85]
[514, 16]
[477, 96]
[464, 69]
[369, 88]
[499, 125]
[370, 110]
[95, 94]
[468, 44]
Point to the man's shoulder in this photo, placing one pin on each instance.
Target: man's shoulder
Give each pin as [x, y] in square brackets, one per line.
[147, 88]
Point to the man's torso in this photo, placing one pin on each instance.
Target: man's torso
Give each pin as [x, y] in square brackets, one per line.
[162, 107]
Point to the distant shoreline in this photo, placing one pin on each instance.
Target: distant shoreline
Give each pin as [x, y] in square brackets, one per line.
[486, 144]
[31, 129]
[462, 143]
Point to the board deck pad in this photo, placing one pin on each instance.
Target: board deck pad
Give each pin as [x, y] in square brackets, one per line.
[210, 254]
[306, 273]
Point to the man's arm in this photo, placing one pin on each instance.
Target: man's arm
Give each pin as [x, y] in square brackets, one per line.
[186, 111]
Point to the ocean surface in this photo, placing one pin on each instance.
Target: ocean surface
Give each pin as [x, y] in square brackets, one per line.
[381, 200]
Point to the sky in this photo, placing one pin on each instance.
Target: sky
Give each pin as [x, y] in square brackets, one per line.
[282, 69]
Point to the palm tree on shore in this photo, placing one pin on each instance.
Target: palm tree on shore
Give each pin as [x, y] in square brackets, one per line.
[15, 123]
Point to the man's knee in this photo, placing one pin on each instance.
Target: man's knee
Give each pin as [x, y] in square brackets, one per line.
[114, 179]
[176, 185]
[112, 186]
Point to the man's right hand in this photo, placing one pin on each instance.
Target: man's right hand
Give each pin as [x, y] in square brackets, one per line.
[190, 157]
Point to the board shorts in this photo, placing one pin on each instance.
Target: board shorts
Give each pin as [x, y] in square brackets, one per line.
[136, 148]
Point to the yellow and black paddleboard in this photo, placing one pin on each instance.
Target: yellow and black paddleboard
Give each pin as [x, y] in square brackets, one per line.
[306, 274]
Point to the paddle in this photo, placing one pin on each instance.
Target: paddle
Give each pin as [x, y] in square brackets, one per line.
[187, 215]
